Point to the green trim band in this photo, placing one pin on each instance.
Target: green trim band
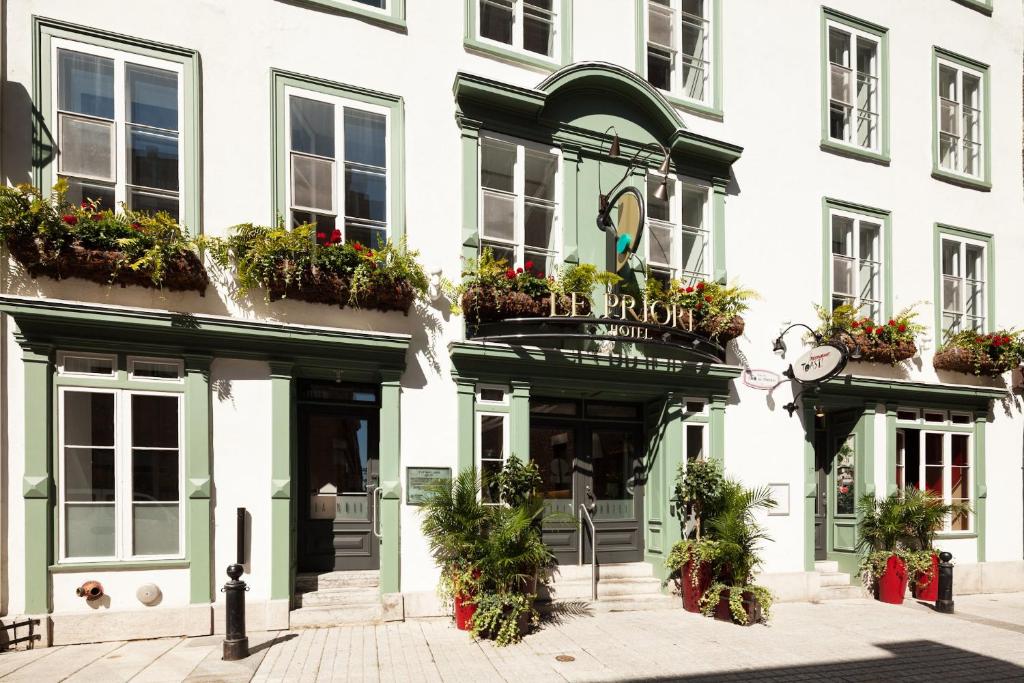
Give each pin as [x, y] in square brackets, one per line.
[76, 567]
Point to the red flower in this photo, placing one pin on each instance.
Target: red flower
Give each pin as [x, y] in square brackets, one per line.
[321, 235]
[538, 274]
[700, 286]
[978, 340]
[697, 306]
[892, 323]
[855, 324]
[682, 290]
[336, 235]
[708, 298]
[689, 290]
[519, 270]
[902, 327]
[69, 219]
[529, 265]
[869, 329]
[136, 225]
[369, 254]
[997, 342]
[509, 273]
[85, 204]
[844, 489]
[878, 330]
[357, 246]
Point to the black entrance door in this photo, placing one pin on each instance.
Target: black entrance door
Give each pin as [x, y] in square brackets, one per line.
[338, 478]
[823, 467]
[590, 455]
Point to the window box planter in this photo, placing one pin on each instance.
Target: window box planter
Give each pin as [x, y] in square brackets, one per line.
[722, 328]
[989, 355]
[876, 350]
[320, 286]
[482, 304]
[184, 272]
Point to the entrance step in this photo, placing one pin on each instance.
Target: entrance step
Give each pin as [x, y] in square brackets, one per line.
[842, 593]
[333, 598]
[620, 587]
[826, 566]
[833, 579]
[836, 585]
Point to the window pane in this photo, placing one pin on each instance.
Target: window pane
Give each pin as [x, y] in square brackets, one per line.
[842, 235]
[933, 463]
[501, 252]
[538, 26]
[492, 437]
[155, 369]
[839, 47]
[83, 191]
[89, 474]
[974, 305]
[91, 365]
[974, 261]
[497, 166]
[312, 126]
[539, 224]
[364, 234]
[869, 248]
[365, 195]
[693, 78]
[695, 259]
[694, 442]
[152, 203]
[85, 84]
[89, 530]
[947, 83]
[950, 257]
[660, 25]
[365, 138]
[659, 69]
[660, 244]
[152, 159]
[693, 206]
[845, 479]
[154, 475]
[496, 20]
[86, 147]
[866, 53]
[324, 224]
[658, 209]
[972, 91]
[842, 275]
[155, 529]
[870, 282]
[152, 96]
[692, 35]
[154, 421]
[959, 454]
[499, 216]
[312, 183]
[540, 175]
[88, 419]
[840, 84]
[952, 295]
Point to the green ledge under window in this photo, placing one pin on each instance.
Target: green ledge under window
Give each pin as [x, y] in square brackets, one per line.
[72, 567]
[983, 6]
[393, 17]
[829, 145]
[694, 107]
[949, 536]
[511, 54]
[962, 180]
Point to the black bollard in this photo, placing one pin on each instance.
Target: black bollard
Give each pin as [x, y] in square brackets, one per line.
[944, 603]
[236, 643]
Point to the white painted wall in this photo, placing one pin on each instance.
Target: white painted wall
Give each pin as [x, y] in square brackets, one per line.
[773, 216]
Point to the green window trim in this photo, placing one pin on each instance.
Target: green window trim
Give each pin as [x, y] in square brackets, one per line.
[76, 567]
[829, 204]
[280, 80]
[983, 6]
[44, 31]
[984, 183]
[990, 276]
[882, 34]
[713, 109]
[473, 43]
[392, 17]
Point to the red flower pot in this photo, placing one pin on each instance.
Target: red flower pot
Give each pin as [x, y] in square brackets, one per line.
[464, 611]
[892, 584]
[693, 593]
[927, 585]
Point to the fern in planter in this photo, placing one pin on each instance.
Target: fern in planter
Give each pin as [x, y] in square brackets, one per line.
[880, 342]
[716, 308]
[981, 354]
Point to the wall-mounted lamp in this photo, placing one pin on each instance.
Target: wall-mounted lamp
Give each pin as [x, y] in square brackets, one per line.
[613, 151]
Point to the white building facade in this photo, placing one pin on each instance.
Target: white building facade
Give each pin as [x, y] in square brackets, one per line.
[845, 152]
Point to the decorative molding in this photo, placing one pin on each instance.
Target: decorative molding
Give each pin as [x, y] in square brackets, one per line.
[281, 488]
[36, 486]
[199, 487]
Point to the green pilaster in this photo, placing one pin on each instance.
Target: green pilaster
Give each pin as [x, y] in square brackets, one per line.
[810, 485]
[466, 398]
[470, 179]
[866, 452]
[390, 482]
[570, 185]
[720, 273]
[197, 472]
[717, 426]
[890, 450]
[37, 484]
[520, 425]
[980, 487]
[281, 480]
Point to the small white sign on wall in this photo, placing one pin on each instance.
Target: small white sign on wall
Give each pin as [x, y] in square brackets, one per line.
[780, 493]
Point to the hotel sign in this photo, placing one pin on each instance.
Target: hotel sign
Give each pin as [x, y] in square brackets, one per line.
[819, 364]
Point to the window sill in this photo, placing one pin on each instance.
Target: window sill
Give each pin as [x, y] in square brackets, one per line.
[951, 536]
[698, 108]
[511, 55]
[382, 19]
[828, 145]
[115, 566]
[962, 181]
[979, 5]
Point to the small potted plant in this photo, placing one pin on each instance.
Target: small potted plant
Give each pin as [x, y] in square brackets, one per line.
[698, 490]
[988, 355]
[886, 535]
[889, 342]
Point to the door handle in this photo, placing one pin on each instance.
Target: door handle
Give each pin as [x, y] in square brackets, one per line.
[375, 511]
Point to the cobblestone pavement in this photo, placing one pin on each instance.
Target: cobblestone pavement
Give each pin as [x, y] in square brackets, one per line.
[855, 640]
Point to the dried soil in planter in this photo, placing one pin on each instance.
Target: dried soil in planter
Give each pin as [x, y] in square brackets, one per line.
[318, 286]
[878, 351]
[487, 305]
[968, 362]
[184, 272]
[732, 329]
[750, 605]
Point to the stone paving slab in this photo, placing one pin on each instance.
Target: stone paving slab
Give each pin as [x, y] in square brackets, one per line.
[850, 640]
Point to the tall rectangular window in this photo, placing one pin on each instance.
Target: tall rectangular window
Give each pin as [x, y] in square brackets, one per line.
[119, 127]
[519, 194]
[338, 176]
[120, 476]
[961, 118]
[853, 61]
[937, 462]
[963, 263]
[857, 267]
[492, 448]
[679, 47]
[529, 25]
[678, 239]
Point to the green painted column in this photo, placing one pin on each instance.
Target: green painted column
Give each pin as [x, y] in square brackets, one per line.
[466, 397]
[866, 452]
[980, 487]
[810, 485]
[197, 472]
[668, 526]
[718, 229]
[520, 421]
[717, 427]
[280, 480]
[470, 182]
[36, 485]
[890, 450]
[390, 482]
[570, 230]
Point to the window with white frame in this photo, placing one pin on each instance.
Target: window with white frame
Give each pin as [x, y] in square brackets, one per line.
[338, 176]
[376, 4]
[529, 25]
[961, 119]
[120, 474]
[678, 239]
[695, 446]
[857, 263]
[679, 47]
[939, 462]
[963, 284]
[492, 449]
[854, 93]
[119, 127]
[519, 217]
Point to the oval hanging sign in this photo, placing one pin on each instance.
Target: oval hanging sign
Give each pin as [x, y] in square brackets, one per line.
[819, 364]
[765, 380]
[627, 207]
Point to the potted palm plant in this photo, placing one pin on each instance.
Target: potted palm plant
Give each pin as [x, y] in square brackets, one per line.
[698, 491]
[926, 514]
[886, 534]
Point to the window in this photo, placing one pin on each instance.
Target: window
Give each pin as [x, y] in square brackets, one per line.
[120, 474]
[86, 364]
[678, 239]
[155, 369]
[679, 48]
[857, 272]
[960, 120]
[695, 447]
[492, 446]
[530, 25]
[519, 203]
[119, 127]
[964, 281]
[853, 87]
[938, 462]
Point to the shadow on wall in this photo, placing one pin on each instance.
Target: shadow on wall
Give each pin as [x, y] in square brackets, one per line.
[923, 659]
[24, 132]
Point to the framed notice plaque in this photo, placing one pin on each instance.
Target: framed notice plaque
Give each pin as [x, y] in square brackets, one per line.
[419, 480]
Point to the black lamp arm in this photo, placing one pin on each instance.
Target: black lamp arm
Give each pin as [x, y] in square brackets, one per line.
[817, 335]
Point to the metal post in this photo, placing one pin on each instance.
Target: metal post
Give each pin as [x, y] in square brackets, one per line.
[236, 643]
[944, 603]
